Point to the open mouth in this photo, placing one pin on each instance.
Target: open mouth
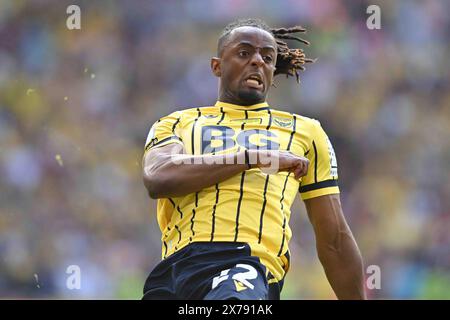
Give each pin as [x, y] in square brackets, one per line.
[254, 81]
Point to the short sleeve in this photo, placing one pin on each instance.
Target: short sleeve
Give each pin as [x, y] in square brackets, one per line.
[164, 131]
[322, 177]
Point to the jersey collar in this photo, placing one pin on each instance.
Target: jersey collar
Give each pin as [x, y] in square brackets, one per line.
[254, 107]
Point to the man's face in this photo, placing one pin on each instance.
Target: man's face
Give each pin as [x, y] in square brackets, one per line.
[246, 65]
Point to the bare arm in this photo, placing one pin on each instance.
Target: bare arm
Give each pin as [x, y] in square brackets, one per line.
[336, 247]
[166, 176]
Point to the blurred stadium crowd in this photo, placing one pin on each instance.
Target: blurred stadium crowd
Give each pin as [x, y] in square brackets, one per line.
[76, 106]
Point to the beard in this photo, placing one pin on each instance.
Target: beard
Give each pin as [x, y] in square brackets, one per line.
[249, 97]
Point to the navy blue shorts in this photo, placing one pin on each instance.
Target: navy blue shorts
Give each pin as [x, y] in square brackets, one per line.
[211, 271]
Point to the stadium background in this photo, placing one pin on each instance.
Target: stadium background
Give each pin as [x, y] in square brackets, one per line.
[76, 106]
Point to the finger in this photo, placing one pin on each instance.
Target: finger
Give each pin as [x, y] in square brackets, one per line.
[298, 171]
[303, 169]
[306, 166]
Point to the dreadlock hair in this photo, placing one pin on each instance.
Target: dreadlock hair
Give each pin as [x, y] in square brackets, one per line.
[289, 61]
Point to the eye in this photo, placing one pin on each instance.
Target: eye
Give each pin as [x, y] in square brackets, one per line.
[268, 59]
[243, 53]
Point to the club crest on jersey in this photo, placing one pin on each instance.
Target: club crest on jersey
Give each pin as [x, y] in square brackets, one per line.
[283, 122]
[210, 116]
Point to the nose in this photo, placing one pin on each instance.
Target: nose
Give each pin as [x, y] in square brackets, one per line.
[257, 60]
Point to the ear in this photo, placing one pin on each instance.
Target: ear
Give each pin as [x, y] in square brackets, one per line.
[215, 66]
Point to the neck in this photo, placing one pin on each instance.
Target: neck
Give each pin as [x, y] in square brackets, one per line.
[232, 99]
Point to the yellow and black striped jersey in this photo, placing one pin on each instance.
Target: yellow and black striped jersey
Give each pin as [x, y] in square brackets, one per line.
[252, 207]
